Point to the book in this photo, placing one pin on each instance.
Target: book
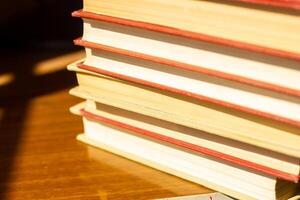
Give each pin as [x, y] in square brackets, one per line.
[230, 179]
[235, 24]
[207, 58]
[183, 110]
[227, 93]
[248, 156]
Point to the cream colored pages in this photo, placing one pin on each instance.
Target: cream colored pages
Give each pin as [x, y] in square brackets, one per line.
[194, 114]
[263, 100]
[263, 27]
[201, 54]
[199, 167]
[234, 148]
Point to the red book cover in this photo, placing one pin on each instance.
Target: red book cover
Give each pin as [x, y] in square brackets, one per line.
[292, 4]
[188, 34]
[192, 147]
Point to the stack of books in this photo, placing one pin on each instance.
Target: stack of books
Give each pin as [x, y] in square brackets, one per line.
[205, 90]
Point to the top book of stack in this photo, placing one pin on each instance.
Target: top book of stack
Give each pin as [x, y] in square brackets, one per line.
[256, 27]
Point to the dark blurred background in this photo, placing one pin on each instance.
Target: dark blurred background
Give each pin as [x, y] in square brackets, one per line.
[36, 46]
[34, 31]
[42, 23]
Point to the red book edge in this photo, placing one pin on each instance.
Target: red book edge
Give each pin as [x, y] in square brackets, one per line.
[188, 34]
[194, 68]
[193, 147]
[291, 4]
[190, 94]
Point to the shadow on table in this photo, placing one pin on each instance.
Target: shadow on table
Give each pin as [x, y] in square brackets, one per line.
[33, 33]
[25, 74]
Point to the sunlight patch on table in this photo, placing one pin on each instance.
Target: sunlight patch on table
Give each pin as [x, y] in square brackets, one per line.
[56, 64]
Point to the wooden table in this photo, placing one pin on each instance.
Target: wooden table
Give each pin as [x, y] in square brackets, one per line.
[39, 156]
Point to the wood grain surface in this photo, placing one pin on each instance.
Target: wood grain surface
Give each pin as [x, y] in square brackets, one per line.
[39, 156]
